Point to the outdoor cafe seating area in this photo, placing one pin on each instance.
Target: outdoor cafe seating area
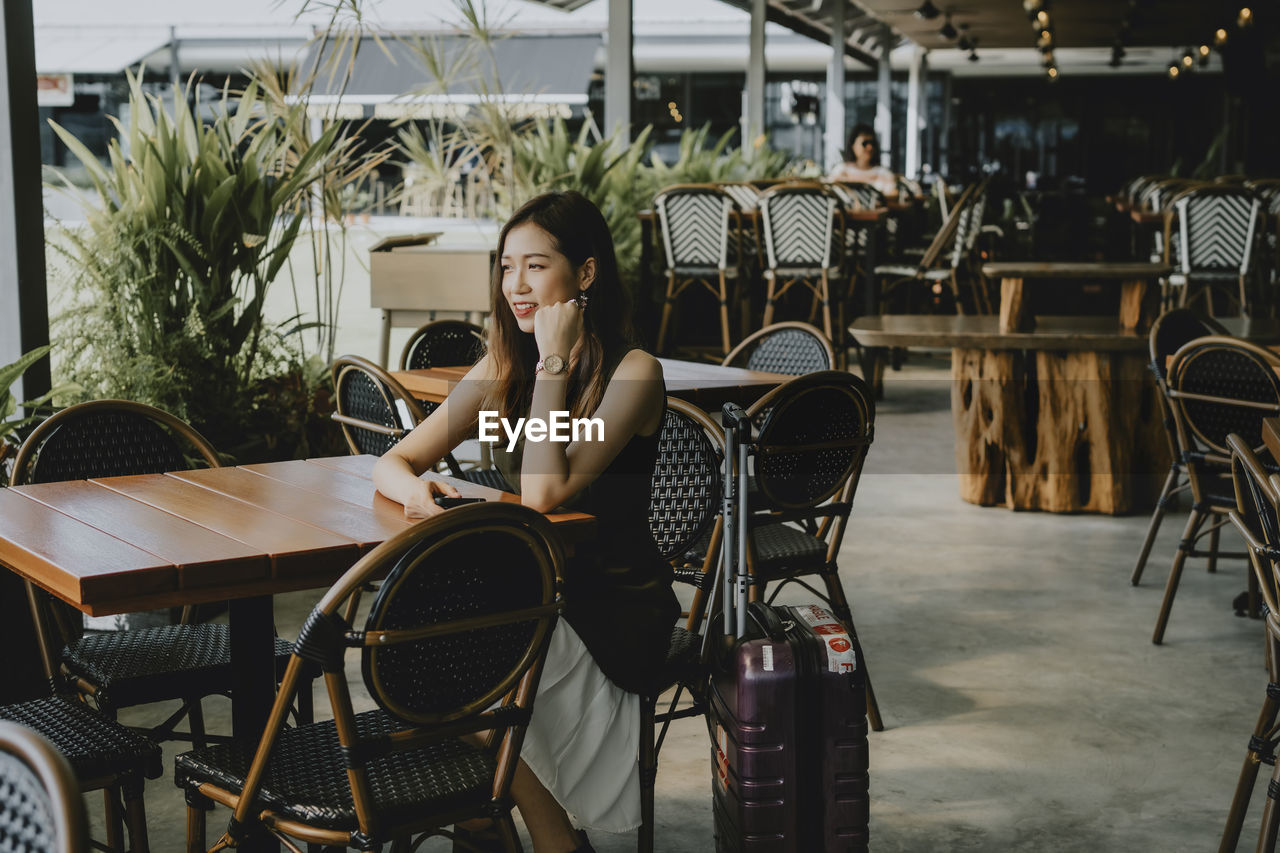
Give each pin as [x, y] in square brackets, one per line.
[993, 431]
[111, 486]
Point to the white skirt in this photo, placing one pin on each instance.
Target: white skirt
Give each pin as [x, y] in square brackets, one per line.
[583, 739]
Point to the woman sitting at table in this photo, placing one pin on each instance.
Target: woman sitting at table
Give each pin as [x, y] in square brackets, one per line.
[863, 169]
[560, 340]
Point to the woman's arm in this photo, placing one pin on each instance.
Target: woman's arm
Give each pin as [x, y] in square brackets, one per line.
[397, 473]
[553, 472]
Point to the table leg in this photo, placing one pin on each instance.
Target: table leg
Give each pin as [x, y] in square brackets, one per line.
[1014, 316]
[1132, 294]
[871, 300]
[254, 685]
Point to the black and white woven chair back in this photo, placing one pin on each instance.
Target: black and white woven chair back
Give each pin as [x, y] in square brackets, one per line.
[813, 438]
[743, 194]
[1222, 387]
[41, 810]
[791, 348]
[695, 223]
[108, 438]
[373, 413]
[685, 495]
[799, 224]
[444, 343]
[967, 228]
[1217, 228]
[858, 196]
[462, 614]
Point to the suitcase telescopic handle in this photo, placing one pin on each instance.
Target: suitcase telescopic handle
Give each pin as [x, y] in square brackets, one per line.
[737, 441]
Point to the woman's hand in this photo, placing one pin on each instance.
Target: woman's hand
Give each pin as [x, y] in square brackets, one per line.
[422, 504]
[556, 328]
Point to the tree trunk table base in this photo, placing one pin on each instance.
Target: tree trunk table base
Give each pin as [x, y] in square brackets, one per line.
[1059, 431]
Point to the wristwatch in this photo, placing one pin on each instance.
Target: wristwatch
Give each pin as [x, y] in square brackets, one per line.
[553, 364]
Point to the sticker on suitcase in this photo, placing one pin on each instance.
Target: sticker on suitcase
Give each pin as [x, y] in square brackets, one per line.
[721, 747]
[841, 656]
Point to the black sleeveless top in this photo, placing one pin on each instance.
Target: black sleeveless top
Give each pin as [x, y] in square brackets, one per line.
[617, 588]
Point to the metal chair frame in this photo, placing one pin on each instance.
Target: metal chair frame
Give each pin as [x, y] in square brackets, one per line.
[496, 718]
[1257, 517]
[1205, 453]
[1162, 348]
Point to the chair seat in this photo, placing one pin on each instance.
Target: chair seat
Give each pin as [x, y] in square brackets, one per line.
[490, 477]
[681, 269]
[798, 272]
[306, 779]
[907, 271]
[95, 746]
[153, 664]
[779, 549]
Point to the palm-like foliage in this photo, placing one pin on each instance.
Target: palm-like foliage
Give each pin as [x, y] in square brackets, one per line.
[188, 225]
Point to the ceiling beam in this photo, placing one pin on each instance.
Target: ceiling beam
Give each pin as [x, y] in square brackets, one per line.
[777, 12]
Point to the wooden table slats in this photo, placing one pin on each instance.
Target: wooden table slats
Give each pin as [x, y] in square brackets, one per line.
[190, 547]
[345, 520]
[73, 560]
[293, 546]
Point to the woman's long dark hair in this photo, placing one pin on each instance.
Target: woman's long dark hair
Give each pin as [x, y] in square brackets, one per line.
[579, 232]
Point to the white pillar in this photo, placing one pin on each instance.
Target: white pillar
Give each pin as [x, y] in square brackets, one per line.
[753, 114]
[834, 151]
[884, 99]
[915, 111]
[618, 67]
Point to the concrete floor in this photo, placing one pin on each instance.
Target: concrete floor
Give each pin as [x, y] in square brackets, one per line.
[1026, 708]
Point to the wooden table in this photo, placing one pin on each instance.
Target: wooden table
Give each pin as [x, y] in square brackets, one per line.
[1061, 419]
[1133, 278]
[708, 386]
[242, 534]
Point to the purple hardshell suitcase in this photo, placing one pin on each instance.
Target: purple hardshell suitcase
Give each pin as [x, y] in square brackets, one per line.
[787, 711]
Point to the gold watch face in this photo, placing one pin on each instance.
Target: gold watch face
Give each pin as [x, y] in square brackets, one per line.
[553, 364]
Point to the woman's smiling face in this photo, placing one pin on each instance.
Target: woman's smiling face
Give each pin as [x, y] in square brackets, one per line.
[534, 273]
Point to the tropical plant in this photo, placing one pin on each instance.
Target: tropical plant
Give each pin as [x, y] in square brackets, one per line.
[11, 426]
[187, 226]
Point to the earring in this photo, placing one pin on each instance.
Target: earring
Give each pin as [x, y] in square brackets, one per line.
[582, 298]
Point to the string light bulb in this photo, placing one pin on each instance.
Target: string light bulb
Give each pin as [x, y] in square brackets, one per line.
[1245, 18]
[1220, 38]
[1204, 55]
[1174, 71]
[1042, 19]
[1188, 60]
[1053, 73]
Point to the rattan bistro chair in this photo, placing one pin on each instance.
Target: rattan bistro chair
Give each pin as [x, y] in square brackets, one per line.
[812, 437]
[684, 507]
[40, 807]
[1215, 247]
[102, 754]
[703, 244]
[443, 343]
[1257, 517]
[1217, 386]
[1170, 331]
[803, 241]
[793, 348]
[452, 647]
[120, 669]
